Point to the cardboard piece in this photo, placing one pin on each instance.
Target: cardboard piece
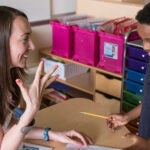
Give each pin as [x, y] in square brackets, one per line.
[66, 116]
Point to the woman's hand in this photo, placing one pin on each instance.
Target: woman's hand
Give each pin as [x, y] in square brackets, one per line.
[138, 142]
[32, 94]
[116, 120]
[72, 137]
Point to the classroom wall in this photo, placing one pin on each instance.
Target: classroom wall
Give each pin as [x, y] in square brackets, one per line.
[49, 8]
[107, 8]
[38, 11]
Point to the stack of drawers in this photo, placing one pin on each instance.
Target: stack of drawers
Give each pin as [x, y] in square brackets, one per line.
[133, 78]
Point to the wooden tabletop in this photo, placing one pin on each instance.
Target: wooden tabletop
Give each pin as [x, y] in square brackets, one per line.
[66, 116]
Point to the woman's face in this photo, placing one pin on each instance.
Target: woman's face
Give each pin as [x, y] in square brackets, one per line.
[20, 42]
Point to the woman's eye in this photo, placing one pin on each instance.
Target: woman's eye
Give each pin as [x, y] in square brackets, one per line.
[25, 40]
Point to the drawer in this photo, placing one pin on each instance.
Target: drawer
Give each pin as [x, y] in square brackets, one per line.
[127, 106]
[132, 98]
[133, 87]
[108, 84]
[136, 65]
[108, 102]
[134, 76]
[137, 53]
[100, 98]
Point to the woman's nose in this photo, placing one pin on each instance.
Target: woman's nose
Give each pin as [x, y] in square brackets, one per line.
[31, 45]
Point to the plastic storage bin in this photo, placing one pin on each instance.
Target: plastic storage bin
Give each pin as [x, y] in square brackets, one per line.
[137, 53]
[111, 52]
[62, 39]
[132, 98]
[65, 71]
[134, 76]
[136, 65]
[86, 46]
[133, 87]
[127, 106]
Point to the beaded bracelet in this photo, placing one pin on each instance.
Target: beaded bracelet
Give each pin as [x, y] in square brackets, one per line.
[45, 134]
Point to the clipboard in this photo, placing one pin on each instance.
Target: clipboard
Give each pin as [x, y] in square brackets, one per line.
[27, 146]
[91, 147]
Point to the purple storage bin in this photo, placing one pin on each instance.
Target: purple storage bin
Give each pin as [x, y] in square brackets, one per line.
[86, 46]
[111, 52]
[136, 65]
[137, 53]
[62, 39]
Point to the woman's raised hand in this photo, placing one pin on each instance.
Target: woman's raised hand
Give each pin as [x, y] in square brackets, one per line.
[32, 94]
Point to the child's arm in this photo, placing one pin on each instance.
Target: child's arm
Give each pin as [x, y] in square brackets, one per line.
[134, 113]
[116, 120]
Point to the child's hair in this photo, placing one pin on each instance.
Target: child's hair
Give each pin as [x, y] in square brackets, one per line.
[143, 16]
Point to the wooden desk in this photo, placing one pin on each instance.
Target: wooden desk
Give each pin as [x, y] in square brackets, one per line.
[66, 116]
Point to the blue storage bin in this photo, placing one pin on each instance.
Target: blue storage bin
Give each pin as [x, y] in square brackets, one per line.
[134, 76]
[136, 65]
[133, 87]
[137, 53]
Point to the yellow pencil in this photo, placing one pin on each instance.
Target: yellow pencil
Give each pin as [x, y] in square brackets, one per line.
[90, 114]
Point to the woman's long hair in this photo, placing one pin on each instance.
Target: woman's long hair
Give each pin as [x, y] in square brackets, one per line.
[8, 75]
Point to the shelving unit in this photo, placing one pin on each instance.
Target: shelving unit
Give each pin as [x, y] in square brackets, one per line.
[97, 82]
[89, 81]
[46, 52]
[133, 79]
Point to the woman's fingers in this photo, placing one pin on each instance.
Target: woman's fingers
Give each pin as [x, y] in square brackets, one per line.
[80, 137]
[45, 80]
[49, 73]
[47, 77]
[47, 91]
[38, 73]
[22, 87]
[52, 79]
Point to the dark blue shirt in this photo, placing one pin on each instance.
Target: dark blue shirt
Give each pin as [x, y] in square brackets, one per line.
[144, 127]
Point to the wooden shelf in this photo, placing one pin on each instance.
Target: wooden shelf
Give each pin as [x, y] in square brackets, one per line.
[46, 52]
[80, 82]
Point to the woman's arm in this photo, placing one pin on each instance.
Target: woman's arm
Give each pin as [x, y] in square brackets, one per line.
[64, 137]
[32, 96]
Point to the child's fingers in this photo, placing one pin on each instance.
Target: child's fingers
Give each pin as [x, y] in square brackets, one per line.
[131, 136]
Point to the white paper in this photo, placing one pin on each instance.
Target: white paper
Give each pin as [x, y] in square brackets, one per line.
[27, 146]
[91, 147]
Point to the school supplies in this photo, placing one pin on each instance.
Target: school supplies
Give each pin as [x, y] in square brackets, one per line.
[94, 115]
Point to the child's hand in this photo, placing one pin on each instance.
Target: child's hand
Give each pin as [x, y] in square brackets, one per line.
[116, 120]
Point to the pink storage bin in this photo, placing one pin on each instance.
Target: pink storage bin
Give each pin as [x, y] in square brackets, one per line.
[86, 46]
[111, 52]
[62, 39]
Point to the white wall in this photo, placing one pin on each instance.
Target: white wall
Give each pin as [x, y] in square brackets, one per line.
[63, 6]
[35, 9]
[38, 10]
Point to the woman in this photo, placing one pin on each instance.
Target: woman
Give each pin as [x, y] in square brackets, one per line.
[15, 45]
